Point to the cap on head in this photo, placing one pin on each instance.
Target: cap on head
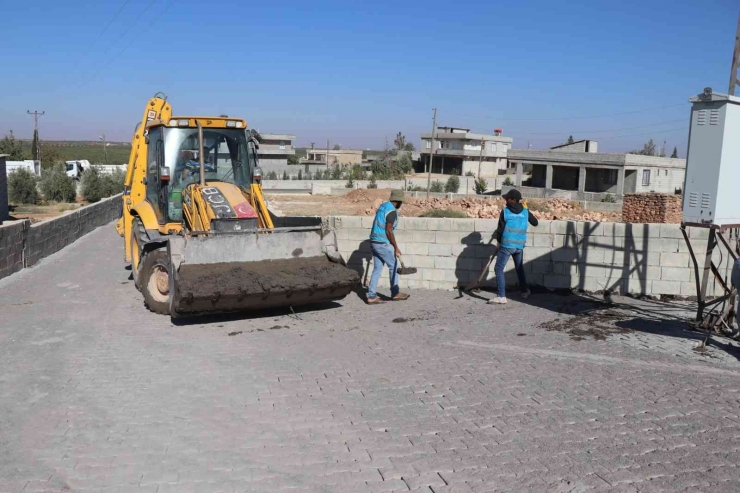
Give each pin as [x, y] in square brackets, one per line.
[397, 196]
[513, 194]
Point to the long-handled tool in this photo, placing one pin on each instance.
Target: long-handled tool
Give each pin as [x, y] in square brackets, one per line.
[403, 270]
[483, 273]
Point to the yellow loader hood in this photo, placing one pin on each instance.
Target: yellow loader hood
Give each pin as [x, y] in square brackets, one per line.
[218, 206]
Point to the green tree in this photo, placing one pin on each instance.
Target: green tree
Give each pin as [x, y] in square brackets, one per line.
[337, 147]
[35, 144]
[350, 182]
[50, 157]
[92, 185]
[405, 164]
[437, 187]
[22, 187]
[373, 183]
[675, 153]
[293, 159]
[400, 141]
[409, 147]
[300, 175]
[453, 183]
[56, 186]
[285, 175]
[481, 185]
[570, 140]
[11, 147]
[647, 150]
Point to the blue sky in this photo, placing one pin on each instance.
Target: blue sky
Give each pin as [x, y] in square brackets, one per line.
[356, 72]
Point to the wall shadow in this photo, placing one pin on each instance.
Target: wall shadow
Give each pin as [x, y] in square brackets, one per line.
[472, 260]
[360, 262]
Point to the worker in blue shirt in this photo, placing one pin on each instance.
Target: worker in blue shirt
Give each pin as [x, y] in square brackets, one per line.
[512, 235]
[385, 249]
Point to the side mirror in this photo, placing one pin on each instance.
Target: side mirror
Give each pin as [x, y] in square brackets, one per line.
[257, 175]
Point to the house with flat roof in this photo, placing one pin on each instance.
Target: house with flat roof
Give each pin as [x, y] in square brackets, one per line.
[335, 156]
[584, 172]
[463, 151]
[274, 151]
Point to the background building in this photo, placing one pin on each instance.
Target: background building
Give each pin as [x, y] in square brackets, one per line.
[459, 149]
[336, 156]
[274, 150]
[592, 172]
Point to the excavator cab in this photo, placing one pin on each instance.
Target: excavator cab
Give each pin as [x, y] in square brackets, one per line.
[197, 230]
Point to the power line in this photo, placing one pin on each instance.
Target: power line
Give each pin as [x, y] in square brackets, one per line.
[569, 117]
[133, 40]
[131, 26]
[105, 29]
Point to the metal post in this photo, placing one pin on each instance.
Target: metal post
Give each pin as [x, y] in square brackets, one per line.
[480, 158]
[105, 148]
[36, 116]
[201, 160]
[431, 152]
[711, 243]
[735, 61]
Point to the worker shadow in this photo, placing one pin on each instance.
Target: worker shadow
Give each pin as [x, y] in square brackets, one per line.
[471, 262]
[360, 261]
[257, 315]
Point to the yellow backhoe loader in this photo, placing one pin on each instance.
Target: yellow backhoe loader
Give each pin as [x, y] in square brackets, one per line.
[197, 230]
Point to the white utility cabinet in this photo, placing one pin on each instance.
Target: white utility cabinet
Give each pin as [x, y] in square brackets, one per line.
[711, 192]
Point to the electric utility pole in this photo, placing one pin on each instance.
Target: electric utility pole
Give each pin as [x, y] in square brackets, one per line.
[431, 152]
[36, 116]
[735, 61]
[480, 158]
[105, 148]
[327, 153]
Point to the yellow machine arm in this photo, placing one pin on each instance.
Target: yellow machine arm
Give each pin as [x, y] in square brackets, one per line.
[258, 203]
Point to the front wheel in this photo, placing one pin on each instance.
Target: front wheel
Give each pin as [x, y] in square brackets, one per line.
[155, 281]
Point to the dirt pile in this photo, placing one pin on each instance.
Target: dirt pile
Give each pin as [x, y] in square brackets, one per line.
[652, 208]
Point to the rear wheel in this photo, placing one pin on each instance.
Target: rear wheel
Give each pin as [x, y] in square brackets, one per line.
[155, 281]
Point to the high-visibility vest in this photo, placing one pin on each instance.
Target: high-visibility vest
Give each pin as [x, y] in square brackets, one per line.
[515, 230]
[378, 234]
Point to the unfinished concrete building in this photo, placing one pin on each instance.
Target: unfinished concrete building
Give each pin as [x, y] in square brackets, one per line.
[591, 175]
[457, 149]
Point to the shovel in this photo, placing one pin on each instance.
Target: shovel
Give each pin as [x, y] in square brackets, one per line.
[403, 270]
[483, 273]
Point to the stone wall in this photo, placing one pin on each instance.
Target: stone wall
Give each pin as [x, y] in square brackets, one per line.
[647, 259]
[23, 245]
[652, 208]
[3, 191]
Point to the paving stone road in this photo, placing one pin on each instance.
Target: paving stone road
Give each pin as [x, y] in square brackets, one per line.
[437, 394]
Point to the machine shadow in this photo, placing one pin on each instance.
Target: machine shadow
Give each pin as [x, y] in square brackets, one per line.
[255, 315]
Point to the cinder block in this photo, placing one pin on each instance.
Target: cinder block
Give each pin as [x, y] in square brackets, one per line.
[563, 227]
[416, 249]
[543, 226]
[667, 245]
[536, 253]
[558, 282]
[358, 234]
[474, 264]
[413, 223]
[423, 236]
[439, 250]
[593, 255]
[637, 286]
[651, 272]
[675, 274]
[539, 267]
[594, 284]
[459, 276]
[420, 261]
[698, 233]
[605, 271]
[670, 231]
[675, 260]
[642, 230]
[698, 244]
[666, 287]
[445, 262]
[586, 228]
[348, 222]
[462, 225]
[486, 225]
[688, 288]
[434, 274]
[565, 255]
[439, 224]
[342, 234]
[542, 240]
[449, 237]
[404, 236]
[367, 222]
[566, 269]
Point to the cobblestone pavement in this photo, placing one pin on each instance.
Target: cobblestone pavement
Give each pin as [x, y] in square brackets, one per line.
[437, 394]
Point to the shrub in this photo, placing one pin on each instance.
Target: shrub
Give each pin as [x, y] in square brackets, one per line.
[404, 164]
[508, 182]
[437, 187]
[469, 173]
[373, 183]
[56, 186]
[285, 176]
[300, 175]
[481, 185]
[92, 186]
[609, 198]
[350, 182]
[444, 213]
[271, 175]
[22, 187]
[336, 173]
[453, 184]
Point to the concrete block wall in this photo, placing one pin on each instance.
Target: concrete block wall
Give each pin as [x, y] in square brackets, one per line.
[12, 242]
[23, 245]
[648, 259]
[3, 190]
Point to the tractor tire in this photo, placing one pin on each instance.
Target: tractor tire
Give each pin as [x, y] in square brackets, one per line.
[154, 278]
[138, 238]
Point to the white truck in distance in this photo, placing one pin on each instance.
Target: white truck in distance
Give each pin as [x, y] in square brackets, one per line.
[75, 168]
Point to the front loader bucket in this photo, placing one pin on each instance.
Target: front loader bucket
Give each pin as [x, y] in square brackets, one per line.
[254, 271]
